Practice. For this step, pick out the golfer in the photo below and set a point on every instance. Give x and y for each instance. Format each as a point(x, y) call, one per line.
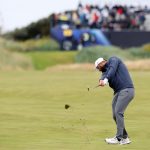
point(116, 74)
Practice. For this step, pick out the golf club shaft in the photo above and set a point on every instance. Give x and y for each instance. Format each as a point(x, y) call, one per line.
point(90, 88)
point(96, 86)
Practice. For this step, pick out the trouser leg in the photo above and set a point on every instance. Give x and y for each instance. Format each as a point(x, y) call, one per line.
point(119, 104)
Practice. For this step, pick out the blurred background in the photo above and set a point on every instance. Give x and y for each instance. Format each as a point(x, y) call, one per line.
point(78, 31)
point(84, 28)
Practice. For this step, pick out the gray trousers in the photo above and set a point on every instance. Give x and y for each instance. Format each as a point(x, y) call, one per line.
point(119, 105)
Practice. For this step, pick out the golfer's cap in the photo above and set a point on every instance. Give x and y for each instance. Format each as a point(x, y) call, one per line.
point(98, 61)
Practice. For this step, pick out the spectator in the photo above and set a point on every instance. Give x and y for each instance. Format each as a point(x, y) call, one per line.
point(105, 18)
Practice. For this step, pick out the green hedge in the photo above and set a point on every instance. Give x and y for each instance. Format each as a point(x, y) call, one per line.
point(44, 44)
point(146, 47)
point(92, 53)
point(139, 53)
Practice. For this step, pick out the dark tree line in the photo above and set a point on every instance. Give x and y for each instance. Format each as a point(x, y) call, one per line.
point(32, 31)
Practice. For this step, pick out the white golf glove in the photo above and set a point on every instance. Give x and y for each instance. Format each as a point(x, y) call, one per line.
point(105, 81)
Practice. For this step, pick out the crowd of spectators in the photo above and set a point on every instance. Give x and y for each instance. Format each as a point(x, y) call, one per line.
point(106, 18)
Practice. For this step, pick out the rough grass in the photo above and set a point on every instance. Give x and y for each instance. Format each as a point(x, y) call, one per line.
point(138, 65)
point(90, 54)
point(32, 114)
point(44, 44)
point(43, 60)
point(44, 54)
point(13, 60)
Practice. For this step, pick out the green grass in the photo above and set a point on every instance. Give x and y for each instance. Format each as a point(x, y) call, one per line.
point(90, 54)
point(45, 53)
point(32, 114)
point(13, 60)
point(44, 44)
point(42, 60)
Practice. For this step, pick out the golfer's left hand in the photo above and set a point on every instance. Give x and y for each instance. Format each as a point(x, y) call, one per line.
point(103, 82)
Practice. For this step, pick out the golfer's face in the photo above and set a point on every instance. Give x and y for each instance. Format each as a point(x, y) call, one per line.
point(101, 66)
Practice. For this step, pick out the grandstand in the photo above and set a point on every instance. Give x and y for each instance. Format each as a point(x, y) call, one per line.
point(147, 22)
point(126, 22)
point(115, 17)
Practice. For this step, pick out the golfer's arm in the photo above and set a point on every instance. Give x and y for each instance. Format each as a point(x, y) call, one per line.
point(102, 77)
point(112, 68)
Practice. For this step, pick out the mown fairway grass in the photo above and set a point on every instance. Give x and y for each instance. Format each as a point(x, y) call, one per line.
point(32, 114)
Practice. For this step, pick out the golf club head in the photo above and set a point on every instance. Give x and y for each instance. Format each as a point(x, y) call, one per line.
point(92, 87)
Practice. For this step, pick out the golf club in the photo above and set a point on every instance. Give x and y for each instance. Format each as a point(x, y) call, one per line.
point(90, 88)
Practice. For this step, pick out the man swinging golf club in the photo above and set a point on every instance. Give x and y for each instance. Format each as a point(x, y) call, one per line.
point(116, 74)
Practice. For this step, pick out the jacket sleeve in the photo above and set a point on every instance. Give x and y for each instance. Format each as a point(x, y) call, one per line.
point(112, 68)
point(103, 76)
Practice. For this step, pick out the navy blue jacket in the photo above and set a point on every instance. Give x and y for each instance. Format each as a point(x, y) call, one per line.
point(117, 74)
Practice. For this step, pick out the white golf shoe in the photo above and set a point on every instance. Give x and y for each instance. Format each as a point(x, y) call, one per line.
point(124, 141)
point(113, 140)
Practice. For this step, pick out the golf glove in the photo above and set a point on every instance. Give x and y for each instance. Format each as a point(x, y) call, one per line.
point(105, 81)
